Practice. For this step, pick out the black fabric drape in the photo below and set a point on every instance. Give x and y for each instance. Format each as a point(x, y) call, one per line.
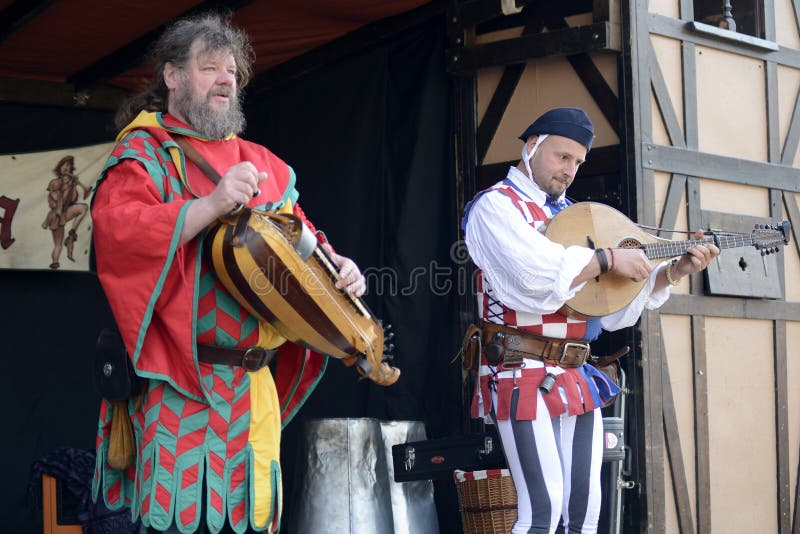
point(369, 140)
point(48, 326)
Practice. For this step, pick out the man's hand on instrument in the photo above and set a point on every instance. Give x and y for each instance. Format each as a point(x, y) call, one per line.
point(350, 277)
point(237, 187)
point(697, 258)
point(630, 263)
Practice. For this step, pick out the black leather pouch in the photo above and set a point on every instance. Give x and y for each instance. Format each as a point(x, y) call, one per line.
point(114, 376)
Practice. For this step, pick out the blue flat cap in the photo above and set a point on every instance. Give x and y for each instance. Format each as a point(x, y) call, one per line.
point(573, 123)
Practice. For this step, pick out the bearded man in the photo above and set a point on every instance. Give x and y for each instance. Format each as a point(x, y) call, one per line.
point(206, 425)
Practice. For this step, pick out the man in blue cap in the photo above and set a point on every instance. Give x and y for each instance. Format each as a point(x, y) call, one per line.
point(543, 395)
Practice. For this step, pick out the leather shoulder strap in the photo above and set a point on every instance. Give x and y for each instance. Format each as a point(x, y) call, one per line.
point(192, 153)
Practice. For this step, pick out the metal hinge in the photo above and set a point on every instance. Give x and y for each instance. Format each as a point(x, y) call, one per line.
point(488, 446)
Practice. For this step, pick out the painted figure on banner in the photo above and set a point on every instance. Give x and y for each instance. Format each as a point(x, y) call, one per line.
point(63, 198)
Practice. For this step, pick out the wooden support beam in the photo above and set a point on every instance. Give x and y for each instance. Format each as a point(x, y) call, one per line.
point(653, 425)
point(590, 75)
point(782, 428)
point(769, 19)
point(675, 194)
point(776, 214)
point(790, 201)
point(725, 168)
point(565, 42)
point(664, 102)
point(687, 9)
point(732, 307)
point(701, 430)
point(638, 129)
point(500, 100)
point(690, 113)
point(694, 217)
point(733, 37)
point(773, 117)
point(789, 151)
point(672, 439)
point(497, 107)
point(598, 88)
point(796, 10)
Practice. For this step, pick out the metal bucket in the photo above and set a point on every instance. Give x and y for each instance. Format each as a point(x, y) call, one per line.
point(346, 481)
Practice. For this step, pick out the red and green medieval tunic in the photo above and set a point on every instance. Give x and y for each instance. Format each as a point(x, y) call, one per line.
point(205, 433)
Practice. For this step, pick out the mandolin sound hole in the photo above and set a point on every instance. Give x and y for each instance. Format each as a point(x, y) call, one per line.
point(629, 243)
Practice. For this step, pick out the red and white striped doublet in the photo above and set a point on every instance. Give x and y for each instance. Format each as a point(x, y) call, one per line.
point(490, 309)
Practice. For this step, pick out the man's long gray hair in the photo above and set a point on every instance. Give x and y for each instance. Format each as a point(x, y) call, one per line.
point(173, 46)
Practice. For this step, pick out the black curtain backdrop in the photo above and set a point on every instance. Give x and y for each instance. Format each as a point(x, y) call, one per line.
point(48, 326)
point(370, 140)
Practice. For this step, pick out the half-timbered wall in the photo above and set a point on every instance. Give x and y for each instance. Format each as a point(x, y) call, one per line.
point(697, 128)
point(715, 137)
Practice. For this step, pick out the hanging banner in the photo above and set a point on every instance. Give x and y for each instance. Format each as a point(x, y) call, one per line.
point(44, 207)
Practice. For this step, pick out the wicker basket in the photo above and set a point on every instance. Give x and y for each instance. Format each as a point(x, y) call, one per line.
point(487, 500)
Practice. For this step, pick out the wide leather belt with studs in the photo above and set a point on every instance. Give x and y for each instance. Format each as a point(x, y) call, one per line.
point(509, 345)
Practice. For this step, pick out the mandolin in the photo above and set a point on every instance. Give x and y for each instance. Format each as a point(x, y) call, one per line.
point(599, 226)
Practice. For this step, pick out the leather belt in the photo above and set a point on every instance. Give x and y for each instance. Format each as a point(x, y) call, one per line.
point(252, 359)
point(510, 345)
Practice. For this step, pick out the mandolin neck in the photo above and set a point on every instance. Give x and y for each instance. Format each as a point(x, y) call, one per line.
point(671, 249)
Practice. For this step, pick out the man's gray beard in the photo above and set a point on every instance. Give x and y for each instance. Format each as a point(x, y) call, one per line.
point(213, 124)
